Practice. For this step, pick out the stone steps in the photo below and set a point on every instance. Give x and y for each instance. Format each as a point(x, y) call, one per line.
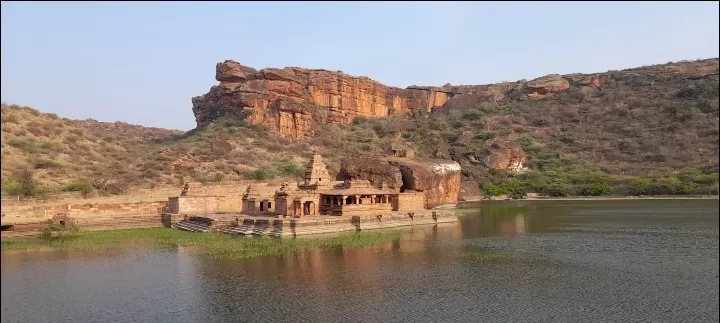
point(264, 228)
point(192, 226)
point(111, 226)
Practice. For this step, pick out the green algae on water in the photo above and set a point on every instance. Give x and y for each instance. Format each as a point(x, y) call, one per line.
point(217, 245)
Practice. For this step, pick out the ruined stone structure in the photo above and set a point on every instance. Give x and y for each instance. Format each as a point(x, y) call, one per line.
point(402, 149)
point(315, 205)
point(318, 194)
point(399, 194)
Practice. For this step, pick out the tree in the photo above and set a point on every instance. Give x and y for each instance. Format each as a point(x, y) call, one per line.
point(27, 183)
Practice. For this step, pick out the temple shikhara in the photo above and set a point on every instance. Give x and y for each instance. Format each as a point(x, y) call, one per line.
point(318, 204)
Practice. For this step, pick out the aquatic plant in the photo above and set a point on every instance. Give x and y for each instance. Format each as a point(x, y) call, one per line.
point(216, 245)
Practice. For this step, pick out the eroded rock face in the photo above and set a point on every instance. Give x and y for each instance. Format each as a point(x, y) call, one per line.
point(292, 100)
point(540, 87)
point(438, 179)
point(469, 191)
point(374, 170)
point(289, 100)
point(232, 72)
point(505, 155)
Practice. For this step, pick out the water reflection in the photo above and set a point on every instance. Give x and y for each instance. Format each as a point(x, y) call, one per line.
point(561, 261)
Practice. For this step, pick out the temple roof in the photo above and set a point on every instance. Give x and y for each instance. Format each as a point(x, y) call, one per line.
point(357, 191)
point(356, 187)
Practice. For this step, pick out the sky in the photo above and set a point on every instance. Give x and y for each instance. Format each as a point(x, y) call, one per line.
point(142, 62)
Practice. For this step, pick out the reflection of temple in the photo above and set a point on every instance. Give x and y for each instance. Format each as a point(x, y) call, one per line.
point(319, 195)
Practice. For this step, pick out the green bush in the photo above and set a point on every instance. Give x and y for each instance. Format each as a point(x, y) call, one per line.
point(219, 177)
point(26, 145)
point(597, 190)
point(261, 174)
point(490, 189)
point(43, 163)
point(515, 190)
point(473, 115)
point(11, 187)
point(84, 186)
point(557, 190)
point(77, 131)
point(61, 230)
point(484, 135)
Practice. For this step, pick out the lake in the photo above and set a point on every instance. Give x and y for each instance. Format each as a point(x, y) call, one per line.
point(505, 261)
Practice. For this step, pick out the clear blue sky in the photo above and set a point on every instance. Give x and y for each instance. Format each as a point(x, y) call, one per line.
point(142, 62)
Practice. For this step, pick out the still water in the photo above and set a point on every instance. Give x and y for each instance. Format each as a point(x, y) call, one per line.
point(505, 261)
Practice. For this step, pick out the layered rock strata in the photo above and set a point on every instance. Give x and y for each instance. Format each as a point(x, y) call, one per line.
point(438, 179)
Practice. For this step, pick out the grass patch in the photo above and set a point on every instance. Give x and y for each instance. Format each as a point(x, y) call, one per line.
point(221, 246)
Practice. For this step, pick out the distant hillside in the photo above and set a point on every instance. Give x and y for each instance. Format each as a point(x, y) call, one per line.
point(569, 131)
point(60, 151)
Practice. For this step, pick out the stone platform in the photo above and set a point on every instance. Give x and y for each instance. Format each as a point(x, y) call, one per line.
point(17, 227)
point(308, 225)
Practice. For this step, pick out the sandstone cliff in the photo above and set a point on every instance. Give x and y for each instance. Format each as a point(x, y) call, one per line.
point(469, 191)
point(290, 100)
point(438, 179)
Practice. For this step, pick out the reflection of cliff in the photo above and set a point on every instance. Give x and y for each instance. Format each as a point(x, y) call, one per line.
point(506, 218)
point(512, 224)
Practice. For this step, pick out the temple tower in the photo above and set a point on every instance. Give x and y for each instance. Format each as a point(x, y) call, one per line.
point(316, 171)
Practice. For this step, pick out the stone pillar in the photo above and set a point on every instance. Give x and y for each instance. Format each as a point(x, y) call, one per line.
point(372, 199)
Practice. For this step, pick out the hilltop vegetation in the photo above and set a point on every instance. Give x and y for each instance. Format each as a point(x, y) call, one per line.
point(646, 131)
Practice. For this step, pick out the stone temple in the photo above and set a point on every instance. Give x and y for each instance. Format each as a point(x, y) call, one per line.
point(318, 194)
point(318, 204)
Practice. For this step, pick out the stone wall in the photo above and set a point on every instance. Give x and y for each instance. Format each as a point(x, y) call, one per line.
point(362, 209)
point(413, 201)
point(204, 204)
point(92, 209)
point(234, 188)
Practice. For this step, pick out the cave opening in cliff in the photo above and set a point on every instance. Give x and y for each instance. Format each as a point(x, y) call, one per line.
point(407, 180)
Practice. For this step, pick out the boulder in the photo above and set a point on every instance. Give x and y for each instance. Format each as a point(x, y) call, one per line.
point(377, 171)
point(541, 86)
point(505, 155)
point(438, 179)
point(469, 191)
point(232, 71)
point(501, 155)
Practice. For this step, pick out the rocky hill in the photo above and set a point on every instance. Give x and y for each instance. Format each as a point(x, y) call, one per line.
point(608, 127)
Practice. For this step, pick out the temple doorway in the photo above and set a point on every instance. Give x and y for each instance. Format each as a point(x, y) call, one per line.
point(309, 208)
